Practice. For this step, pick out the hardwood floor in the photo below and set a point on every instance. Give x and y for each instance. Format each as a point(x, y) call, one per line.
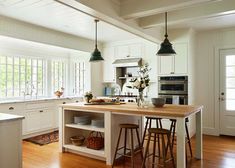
point(219, 152)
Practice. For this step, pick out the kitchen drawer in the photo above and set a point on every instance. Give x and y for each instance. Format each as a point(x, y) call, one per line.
point(39, 105)
point(12, 108)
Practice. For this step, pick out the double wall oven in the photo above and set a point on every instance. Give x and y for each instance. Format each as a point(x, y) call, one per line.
point(174, 89)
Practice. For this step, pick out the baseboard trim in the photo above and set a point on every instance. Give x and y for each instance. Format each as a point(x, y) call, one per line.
point(38, 133)
point(210, 131)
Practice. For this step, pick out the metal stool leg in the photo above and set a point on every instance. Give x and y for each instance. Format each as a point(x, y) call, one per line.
point(119, 137)
point(132, 149)
point(171, 149)
point(146, 151)
point(145, 130)
point(188, 139)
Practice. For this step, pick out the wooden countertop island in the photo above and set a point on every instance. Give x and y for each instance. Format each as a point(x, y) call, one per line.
point(178, 112)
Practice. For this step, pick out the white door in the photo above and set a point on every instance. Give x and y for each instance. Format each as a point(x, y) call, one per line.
point(166, 65)
point(227, 92)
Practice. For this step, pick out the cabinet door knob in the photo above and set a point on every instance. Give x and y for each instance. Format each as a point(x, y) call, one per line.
point(41, 111)
point(76, 101)
point(172, 72)
point(11, 108)
point(64, 102)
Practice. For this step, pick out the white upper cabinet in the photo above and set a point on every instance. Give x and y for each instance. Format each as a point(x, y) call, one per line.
point(166, 65)
point(181, 58)
point(177, 64)
point(135, 50)
point(122, 51)
point(109, 73)
point(128, 50)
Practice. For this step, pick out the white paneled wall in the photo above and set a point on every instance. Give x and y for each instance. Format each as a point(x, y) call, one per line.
point(207, 48)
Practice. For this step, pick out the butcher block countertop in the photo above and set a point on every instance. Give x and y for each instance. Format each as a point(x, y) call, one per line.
point(132, 108)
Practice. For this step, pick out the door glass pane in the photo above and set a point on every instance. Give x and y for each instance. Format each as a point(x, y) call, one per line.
point(230, 60)
point(230, 71)
point(230, 82)
point(230, 94)
point(230, 105)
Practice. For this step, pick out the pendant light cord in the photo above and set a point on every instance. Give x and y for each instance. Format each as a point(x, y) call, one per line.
point(96, 20)
point(166, 35)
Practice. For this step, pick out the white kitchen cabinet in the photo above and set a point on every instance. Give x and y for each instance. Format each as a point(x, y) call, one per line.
point(166, 65)
point(176, 64)
point(122, 51)
point(135, 50)
point(129, 50)
point(181, 58)
point(39, 120)
point(109, 71)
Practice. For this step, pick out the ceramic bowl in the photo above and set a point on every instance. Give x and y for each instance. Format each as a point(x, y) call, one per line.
point(158, 102)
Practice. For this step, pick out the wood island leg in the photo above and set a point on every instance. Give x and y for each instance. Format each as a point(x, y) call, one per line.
point(199, 145)
point(180, 132)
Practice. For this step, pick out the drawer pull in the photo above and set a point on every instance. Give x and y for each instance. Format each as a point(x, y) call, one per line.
point(77, 101)
point(64, 102)
point(11, 108)
point(41, 111)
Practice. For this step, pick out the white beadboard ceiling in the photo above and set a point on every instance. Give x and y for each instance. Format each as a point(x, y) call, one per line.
point(53, 15)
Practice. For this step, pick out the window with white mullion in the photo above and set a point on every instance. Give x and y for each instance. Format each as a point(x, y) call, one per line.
point(58, 75)
point(79, 77)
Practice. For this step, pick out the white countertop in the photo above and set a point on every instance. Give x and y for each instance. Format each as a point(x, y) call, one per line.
point(7, 117)
point(33, 99)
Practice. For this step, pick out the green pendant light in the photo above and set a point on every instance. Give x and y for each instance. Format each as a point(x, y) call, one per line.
point(166, 47)
point(96, 55)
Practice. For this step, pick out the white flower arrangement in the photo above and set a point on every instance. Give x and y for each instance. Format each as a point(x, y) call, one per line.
point(142, 81)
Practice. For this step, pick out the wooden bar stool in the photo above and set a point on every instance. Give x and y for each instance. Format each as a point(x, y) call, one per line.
point(162, 133)
point(132, 151)
point(172, 129)
point(148, 125)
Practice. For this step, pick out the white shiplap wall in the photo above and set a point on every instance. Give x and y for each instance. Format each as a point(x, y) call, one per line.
point(208, 43)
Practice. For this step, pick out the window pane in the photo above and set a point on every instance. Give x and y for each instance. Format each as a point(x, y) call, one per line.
point(230, 60)
point(20, 75)
point(230, 71)
point(230, 104)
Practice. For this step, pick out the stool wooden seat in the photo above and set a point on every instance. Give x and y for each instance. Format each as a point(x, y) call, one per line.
point(172, 129)
point(132, 150)
point(148, 125)
point(162, 133)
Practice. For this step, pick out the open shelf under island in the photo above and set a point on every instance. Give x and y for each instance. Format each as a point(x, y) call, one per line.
point(114, 115)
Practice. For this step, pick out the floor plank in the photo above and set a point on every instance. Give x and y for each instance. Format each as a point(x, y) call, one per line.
point(219, 152)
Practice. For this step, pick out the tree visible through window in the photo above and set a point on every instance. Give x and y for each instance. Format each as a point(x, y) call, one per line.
point(21, 76)
point(58, 75)
point(79, 78)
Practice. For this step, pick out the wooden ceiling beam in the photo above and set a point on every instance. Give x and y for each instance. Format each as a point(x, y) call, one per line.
point(215, 9)
point(132, 9)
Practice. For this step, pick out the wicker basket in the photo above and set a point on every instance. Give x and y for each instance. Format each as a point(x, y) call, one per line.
point(95, 141)
point(77, 140)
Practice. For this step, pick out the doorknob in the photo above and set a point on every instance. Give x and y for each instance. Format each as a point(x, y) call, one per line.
point(221, 99)
point(222, 93)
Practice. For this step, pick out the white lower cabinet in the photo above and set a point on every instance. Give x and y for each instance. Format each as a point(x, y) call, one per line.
point(39, 120)
point(40, 116)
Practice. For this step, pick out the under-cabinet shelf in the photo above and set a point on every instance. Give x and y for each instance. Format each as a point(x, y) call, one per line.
point(84, 149)
point(85, 127)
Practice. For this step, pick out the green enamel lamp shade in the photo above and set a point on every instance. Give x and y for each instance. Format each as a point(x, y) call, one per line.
point(166, 47)
point(96, 55)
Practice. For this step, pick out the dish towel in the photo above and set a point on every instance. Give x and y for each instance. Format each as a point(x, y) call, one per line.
point(175, 99)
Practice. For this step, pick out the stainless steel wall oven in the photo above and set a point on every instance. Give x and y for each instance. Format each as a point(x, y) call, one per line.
point(174, 89)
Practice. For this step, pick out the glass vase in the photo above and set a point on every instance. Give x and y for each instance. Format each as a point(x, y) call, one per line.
point(140, 99)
